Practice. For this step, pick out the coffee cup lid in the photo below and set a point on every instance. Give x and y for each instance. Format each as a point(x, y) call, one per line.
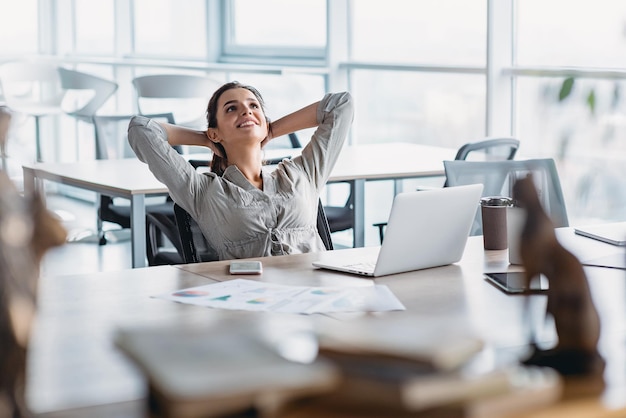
point(496, 201)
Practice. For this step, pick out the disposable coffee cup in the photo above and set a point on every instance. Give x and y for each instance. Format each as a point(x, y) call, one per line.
point(493, 212)
point(515, 220)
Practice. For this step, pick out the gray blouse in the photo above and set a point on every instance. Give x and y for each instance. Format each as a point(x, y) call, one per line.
point(238, 219)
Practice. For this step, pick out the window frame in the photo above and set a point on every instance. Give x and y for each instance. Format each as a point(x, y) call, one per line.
point(234, 52)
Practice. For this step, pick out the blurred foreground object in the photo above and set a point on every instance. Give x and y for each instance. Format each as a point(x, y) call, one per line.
point(27, 231)
point(5, 122)
point(231, 367)
point(569, 298)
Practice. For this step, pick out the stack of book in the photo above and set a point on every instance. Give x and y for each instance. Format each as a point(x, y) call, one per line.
point(420, 365)
point(197, 372)
point(395, 367)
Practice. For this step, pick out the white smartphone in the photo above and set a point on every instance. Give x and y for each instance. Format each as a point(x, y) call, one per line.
point(246, 267)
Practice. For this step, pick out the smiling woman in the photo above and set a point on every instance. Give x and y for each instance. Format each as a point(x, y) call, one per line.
point(243, 209)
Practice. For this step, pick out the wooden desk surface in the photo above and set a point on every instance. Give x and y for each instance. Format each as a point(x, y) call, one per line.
point(72, 362)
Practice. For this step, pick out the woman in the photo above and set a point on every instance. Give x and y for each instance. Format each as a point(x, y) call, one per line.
point(243, 209)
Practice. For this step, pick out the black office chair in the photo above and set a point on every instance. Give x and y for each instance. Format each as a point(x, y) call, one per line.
point(341, 218)
point(503, 148)
point(163, 246)
point(196, 249)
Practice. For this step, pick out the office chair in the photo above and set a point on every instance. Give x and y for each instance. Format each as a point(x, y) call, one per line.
point(487, 149)
point(32, 88)
point(341, 218)
point(498, 178)
point(196, 249)
point(161, 230)
point(163, 244)
point(85, 94)
point(187, 94)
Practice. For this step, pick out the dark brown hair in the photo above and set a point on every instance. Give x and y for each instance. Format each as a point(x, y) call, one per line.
point(219, 164)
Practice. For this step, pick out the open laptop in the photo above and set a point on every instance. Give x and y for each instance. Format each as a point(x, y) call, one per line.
point(425, 229)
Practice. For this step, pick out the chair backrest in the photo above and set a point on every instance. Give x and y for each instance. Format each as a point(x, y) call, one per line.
point(186, 95)
point(323, 229)
point(498, 178)
point(84, 93)
point(489, 149)
point(196, 249)
point(31, 86)
point(492, 148)
point(157, 226)
point(112, 134)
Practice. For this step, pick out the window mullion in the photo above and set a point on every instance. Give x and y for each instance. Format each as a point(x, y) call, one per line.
point(500, 86)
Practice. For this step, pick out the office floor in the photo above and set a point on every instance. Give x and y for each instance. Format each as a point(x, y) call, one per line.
point(85, 256)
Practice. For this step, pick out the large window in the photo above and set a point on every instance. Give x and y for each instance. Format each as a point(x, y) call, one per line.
point(275, 29)
point(425, 108)
point(588, 141)
point(450, 32)
point(571, 33)
point(570, 99)
point(19, 27)
point(170, 28)
point(95, 27)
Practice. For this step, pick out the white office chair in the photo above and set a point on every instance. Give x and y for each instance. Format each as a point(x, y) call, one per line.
point(85, 94)
point(185, 95)
point(32, 88)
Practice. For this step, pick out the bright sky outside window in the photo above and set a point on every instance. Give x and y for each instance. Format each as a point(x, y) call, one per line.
point(280, 23)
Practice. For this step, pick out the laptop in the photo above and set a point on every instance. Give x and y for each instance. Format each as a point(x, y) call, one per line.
point(426, 229)
point(611, 233)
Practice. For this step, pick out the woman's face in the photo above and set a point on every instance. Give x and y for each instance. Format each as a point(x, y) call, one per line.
point(240, 119)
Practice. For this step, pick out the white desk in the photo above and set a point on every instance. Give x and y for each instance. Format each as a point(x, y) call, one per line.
point(131, 179)
point(72, 362)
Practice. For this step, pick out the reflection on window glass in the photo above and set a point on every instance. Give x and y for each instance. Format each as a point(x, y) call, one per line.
point(434, 109)
point(279, 23)
point(170, 27)
point(18, 21)
point(586, 137)
point(576, 33)
point(427, 32)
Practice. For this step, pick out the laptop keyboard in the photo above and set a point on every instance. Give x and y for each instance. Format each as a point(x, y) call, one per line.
point(366, 266)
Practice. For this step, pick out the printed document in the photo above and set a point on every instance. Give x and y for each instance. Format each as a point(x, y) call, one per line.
point(251, 295)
